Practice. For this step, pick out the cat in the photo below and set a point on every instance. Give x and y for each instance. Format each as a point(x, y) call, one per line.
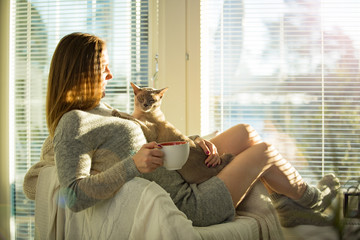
point(148, 115)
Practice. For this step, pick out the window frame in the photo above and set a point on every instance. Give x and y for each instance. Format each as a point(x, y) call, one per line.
point(179, 63)
point(5, 204)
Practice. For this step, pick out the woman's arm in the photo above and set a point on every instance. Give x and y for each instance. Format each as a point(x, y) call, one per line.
point(80, 143)
point(80, 189)
point(79, 137)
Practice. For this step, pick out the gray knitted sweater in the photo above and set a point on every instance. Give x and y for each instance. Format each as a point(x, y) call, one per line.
point(94, 142)
point(89, 142)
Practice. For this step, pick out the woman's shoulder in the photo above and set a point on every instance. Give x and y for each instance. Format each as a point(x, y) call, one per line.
point(73, 116)
point(71, 122)
point(78, 115)
point(79, 121)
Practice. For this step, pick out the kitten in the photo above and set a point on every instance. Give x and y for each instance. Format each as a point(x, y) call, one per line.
point(152, 120)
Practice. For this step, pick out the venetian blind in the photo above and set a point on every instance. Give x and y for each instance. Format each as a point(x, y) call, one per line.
point(290, 68)
point(37, 26)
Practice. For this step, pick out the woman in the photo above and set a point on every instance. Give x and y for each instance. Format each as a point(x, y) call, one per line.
point(97, 153)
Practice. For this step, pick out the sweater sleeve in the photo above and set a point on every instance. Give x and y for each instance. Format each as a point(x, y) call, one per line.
point(73, 157)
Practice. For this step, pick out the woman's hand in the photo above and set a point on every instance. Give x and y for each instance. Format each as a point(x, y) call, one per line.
point(149, 157)
point(210, 149)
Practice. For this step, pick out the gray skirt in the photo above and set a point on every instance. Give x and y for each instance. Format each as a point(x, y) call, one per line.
point(204, 204)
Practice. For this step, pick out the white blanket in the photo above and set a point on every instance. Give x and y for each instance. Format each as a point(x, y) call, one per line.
point(257, 205)
point(157, 217)
point(140, 210)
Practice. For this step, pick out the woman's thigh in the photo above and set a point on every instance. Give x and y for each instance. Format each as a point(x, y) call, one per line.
point(241, 173)
point(236, 139)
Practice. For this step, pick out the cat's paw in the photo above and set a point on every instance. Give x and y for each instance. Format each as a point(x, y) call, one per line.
point(116, 113)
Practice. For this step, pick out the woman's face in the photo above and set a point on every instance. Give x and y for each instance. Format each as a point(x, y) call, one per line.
point(106, 74)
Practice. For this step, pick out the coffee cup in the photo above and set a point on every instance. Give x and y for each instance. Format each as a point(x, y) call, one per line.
point(175, 154)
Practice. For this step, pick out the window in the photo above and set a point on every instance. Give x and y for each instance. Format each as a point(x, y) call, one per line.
point(37, 26)
point(290, 68)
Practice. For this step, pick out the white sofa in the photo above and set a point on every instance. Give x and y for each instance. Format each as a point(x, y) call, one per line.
point(143, 210)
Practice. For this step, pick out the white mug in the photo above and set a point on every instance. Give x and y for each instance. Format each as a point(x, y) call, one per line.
point(175, 154)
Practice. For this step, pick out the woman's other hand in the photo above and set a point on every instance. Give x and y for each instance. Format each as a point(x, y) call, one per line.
point(149, 157)
point(210, 149)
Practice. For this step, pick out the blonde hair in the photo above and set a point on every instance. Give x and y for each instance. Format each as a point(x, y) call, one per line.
point(74, 80)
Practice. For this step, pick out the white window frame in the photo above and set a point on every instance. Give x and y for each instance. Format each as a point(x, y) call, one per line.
point(5, 181)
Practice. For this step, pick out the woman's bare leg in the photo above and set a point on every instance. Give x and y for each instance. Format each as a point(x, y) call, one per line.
point(261, 160)
point(254, 160)
point(236, 139)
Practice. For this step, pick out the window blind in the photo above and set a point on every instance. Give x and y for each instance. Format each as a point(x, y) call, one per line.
point(290, 68)
point(37, 26)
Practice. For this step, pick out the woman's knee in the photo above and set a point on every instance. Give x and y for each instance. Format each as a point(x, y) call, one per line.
point(263, 153)
point(244, 127)
point(270, 153)
point(247, 130)
point(236, 139)
point(263, 146)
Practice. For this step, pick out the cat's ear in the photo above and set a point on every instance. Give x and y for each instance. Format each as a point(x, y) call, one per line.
point(162, 91)
point(136, 88)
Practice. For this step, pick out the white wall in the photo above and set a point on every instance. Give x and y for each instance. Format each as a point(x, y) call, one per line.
point(4, 120)
point(179, 63)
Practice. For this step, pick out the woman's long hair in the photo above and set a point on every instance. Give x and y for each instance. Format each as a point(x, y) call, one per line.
point(75, 77)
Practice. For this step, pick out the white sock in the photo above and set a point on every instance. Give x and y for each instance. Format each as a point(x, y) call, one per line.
point(329, 186)
point(292, 214)
point(320, 197)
